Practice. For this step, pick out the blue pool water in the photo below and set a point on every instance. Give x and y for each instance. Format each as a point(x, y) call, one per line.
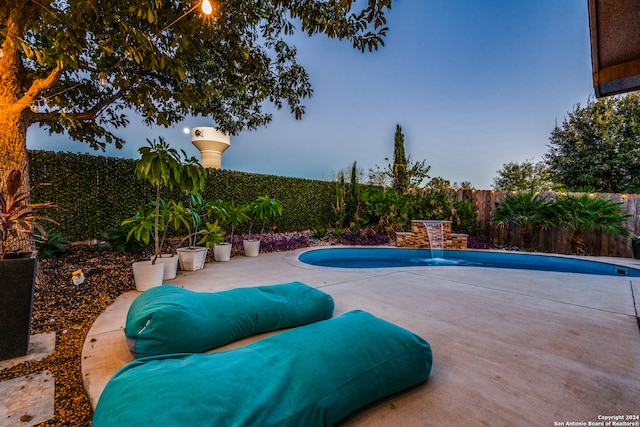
point(405, 257)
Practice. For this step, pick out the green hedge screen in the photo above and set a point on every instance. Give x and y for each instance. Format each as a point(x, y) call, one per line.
point(93, 193)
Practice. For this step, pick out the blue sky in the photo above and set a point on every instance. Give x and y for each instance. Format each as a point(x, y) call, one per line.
point(474, 85)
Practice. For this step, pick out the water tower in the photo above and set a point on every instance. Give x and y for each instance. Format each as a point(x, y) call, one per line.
point(211, 142)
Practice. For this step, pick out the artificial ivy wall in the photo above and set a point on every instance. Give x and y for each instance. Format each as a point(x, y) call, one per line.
point(93, 193)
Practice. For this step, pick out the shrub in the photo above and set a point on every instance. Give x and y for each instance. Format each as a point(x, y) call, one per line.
point(529, 210)
point(320, 232)
point(284, 242)
point(115, 238)
point(465, 217)
point(363, 237)
point(55, 244)
point(479, 242)
point(585, 212)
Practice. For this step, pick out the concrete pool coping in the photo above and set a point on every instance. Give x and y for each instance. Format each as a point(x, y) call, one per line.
point(511, 347)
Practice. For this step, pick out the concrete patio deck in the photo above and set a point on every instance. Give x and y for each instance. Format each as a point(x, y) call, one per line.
point(511, 347)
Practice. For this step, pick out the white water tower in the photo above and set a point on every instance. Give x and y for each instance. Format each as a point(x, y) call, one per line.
point(211, 142)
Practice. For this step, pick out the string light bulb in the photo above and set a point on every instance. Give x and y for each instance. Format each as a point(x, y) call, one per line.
point(103, 79)
point(207, 8)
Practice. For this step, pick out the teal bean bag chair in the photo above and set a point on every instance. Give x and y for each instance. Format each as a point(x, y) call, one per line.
point(313, 375)
point(168, 319)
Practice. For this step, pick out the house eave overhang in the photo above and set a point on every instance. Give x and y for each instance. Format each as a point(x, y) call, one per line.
point(614, 27)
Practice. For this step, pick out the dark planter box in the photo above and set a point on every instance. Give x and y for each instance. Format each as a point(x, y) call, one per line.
point(636, 249)
point(17, 283)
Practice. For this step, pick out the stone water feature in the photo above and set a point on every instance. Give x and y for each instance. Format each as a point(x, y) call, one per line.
point(441, 233)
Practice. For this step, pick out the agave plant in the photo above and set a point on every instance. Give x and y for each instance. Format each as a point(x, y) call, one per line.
point(18, 221)
point(528, 210)
point(585, 212)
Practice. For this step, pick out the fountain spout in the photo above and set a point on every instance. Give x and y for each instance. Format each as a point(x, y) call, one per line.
point(435, 231)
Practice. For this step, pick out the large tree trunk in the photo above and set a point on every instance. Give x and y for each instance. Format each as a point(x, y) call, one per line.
point(13, 155)
point(13, 146)
point(18, 89)
point(15, 114)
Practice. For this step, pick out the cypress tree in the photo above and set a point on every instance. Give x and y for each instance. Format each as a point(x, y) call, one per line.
point(400, 176)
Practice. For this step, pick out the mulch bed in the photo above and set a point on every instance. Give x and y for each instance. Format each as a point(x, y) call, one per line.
point(69, 310)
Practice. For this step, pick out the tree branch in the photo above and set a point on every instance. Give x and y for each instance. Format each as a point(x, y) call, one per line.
point(39, 85)
point(91, 114)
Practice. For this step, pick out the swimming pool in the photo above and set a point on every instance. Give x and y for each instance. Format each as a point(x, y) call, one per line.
point(404, 257)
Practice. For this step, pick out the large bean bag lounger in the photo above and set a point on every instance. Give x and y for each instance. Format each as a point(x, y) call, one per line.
point(168, 319)
point(313, 375)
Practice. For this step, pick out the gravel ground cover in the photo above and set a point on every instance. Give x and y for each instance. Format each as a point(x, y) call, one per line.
point(69, 310)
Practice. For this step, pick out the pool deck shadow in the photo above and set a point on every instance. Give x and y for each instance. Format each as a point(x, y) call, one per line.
point(511, 347)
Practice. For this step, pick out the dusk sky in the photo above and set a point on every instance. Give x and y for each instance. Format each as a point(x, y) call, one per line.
point(474, 85)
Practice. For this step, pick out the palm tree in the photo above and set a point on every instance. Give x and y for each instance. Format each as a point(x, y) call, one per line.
point(583, 212)
point(528, 210)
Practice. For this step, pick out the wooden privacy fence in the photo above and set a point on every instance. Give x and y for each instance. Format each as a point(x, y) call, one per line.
point(557, 239)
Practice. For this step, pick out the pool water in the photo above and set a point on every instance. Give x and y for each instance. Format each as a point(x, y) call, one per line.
point(404, 257)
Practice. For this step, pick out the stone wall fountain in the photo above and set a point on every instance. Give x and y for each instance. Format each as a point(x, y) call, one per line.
point(431, 234)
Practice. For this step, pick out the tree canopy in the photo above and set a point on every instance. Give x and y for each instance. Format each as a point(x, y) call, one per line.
point(525, 176)
point(598, 146)
point(79, 66)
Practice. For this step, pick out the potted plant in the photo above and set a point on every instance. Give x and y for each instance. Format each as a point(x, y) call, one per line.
point(18, 224)
point(221, 249)
point(175, 215)
point(263, 208)
point(251, 243)
point(212, 236)
point(142, 229)
point(159, 165)
point(233, 215)
point(193, 257)
point(192, 179)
